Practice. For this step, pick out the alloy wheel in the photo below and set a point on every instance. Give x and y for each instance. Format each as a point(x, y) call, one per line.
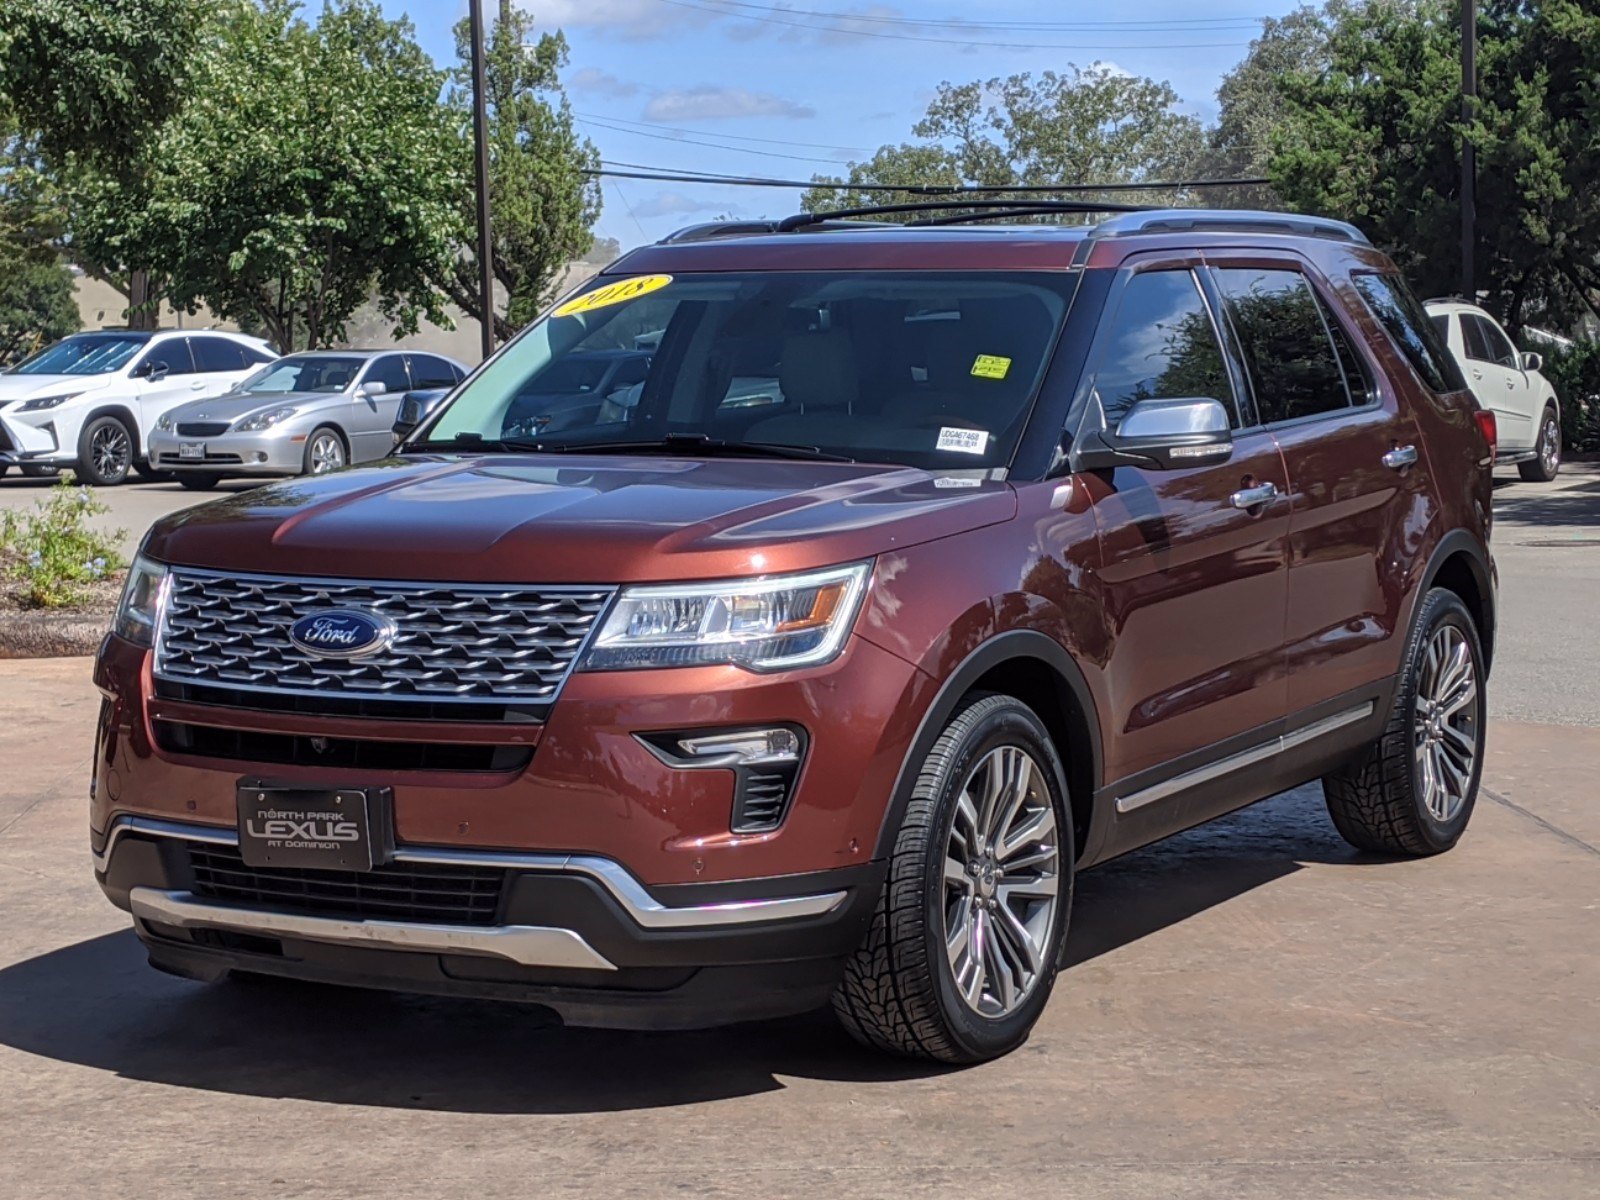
point(1550, 446)
point(1001, 882)
point(327, 454)
point(1445, 726)
point(111, 451)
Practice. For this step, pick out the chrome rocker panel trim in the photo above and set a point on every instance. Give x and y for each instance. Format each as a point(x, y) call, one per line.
point(525, 945)
point(645, 910)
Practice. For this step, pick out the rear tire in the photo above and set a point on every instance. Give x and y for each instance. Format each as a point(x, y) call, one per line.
point(189, 481)
point(967, 937)
point(105, 452)
point(149, 473)
point(1412, 792)
point(1546, 463)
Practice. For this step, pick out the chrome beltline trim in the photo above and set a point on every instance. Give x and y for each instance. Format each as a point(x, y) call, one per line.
point(1245, 758)
point(526, 945)
point(627, 891)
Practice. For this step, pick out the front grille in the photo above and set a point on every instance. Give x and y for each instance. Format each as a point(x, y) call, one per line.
point(179, 460)
point(338, 706)
point(203, 428)
point(305, 750)
point(420, 892)
point(502, 644)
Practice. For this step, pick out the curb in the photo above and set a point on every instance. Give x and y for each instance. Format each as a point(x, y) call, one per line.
point(52, 634)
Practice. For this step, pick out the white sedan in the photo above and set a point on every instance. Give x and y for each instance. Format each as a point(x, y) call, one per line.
point(1508, 383)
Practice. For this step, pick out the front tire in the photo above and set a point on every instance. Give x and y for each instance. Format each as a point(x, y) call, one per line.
point(1412, 791)
point(1546, 463)
point(964, 946)
point(325, 451)
point(203, 482)
point(105, 452)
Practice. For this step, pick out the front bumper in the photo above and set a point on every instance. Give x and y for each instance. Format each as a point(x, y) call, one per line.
point(575, 933)
point(270, 452)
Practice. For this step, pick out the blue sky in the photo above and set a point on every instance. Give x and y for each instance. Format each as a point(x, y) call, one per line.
point(784, 88)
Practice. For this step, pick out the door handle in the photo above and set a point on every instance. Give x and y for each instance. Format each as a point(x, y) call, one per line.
point(1400, 457)
point(1255, 497)
point(197, 385)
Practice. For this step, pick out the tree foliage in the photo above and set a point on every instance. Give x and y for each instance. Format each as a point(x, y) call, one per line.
point(1088, 125)
point(543, 204)
point(1374, 137)
point(310, 169)
point(37, 306)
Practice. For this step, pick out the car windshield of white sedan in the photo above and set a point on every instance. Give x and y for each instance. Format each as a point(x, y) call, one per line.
point(304, 373)
point(83, 354)
point(925, 368)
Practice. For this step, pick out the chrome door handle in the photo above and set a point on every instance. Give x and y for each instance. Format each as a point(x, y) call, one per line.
point(1477, 374)
point(1255, 497)
point(1400, 457)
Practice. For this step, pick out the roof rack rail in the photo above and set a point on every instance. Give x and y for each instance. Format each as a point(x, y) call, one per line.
point(715, 229)
point(988, 210)
point(1450, 300)
point(1190, 220)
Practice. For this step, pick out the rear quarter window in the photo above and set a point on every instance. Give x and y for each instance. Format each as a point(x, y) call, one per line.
point(1408, 326)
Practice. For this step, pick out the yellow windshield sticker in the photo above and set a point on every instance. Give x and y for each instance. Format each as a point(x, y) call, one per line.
point(613, 293)
point(991, 366)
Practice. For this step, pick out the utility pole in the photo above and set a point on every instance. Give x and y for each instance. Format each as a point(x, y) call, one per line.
point(1469, 153)
point(480, 141)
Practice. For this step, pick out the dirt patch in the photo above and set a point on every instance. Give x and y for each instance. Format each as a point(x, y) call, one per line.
point(27, 632)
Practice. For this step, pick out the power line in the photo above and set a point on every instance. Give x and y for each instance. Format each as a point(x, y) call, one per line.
point(911, 37)
point(663, 137)
point(738, 137)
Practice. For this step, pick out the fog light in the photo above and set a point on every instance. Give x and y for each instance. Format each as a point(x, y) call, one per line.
point(261, 456)
point(765, 764)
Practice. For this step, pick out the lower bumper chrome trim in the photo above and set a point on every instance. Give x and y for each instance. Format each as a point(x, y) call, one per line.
point(526, 945)
point(644, 909)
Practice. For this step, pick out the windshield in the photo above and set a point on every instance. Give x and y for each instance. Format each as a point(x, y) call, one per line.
point(83, 354)
point(304, 373)
point(929, 369)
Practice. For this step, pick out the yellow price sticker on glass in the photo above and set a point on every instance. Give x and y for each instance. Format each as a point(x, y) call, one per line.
point(613, 293)
point(991, 366)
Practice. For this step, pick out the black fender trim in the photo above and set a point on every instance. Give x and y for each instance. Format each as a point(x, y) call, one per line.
point(1002, 648)
point(1461, 541)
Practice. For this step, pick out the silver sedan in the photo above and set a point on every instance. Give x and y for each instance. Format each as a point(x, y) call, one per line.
point(305, 414)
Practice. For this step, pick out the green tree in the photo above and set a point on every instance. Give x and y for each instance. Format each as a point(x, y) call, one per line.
point(1083, 125)
point(1374, 137)
point(37, 306)
point(310, 169)
point(543, 204)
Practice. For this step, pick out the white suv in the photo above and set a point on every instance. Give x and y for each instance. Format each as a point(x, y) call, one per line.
point(1507, 382)
point(90, 401)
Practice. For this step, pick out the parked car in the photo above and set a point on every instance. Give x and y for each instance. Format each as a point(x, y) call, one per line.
point(1509, 384)
point(694, 712)
point(90, 401)
point(305, 414)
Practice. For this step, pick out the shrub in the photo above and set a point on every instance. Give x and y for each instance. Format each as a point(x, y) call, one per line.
point(53, 551)
point(1575, 373)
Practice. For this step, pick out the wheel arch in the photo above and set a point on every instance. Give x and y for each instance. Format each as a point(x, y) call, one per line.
point(1459, 564)
point(1038, 670)
point(124, 414)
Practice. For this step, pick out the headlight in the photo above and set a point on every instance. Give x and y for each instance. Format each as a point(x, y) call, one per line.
point(139, 610)
point(266, 420)
point(760, 624)
point(39, 402)
point(164, 423)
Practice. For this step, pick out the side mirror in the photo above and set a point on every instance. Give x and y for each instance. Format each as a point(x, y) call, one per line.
point(372, 387)
point(153, 372)
point(1532, 361)
point(1162, 435)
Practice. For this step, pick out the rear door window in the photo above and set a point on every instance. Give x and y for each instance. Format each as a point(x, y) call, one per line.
point(213, 355)
point(430, 371)
point(390, 370)
point(1161, 344)
point(1492, 343)
point(1289, 351)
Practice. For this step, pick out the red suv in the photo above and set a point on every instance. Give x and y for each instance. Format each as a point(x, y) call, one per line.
point(905, 572)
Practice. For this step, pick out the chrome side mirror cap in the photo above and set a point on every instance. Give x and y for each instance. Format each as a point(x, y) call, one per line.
point(1162, 435)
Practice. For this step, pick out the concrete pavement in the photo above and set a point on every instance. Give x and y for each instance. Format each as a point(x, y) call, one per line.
point(1253, 1011)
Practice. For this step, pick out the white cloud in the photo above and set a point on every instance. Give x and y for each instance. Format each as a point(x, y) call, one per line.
point(601, 83)
point(631, 19)
point(666, 204)
point(708, 101)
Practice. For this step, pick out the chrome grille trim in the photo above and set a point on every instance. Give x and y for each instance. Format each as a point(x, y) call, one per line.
point(497, 643)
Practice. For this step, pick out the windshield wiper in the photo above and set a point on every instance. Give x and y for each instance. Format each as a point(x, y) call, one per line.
point(698, 443)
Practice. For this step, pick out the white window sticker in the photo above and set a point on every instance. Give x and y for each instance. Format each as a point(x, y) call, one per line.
point(963, 441)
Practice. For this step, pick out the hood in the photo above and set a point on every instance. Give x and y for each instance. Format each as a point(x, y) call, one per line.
point(230, 406)
point(572, 519)
point(26, 387)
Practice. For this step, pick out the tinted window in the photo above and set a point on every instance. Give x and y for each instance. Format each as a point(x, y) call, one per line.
point(258, 356)
point(390, 370)
point(1441, 326)
point(1407, 324)
point(217, 354)
point(174, 353)
point(430, 372)
point(1293, 365)
point(1490, 343)
point(1162, 345)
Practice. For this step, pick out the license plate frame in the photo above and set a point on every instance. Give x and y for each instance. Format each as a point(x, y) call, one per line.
point(192, 451)
point(332, 829)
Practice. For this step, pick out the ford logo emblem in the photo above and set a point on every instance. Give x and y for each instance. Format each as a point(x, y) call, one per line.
point(342, 633)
